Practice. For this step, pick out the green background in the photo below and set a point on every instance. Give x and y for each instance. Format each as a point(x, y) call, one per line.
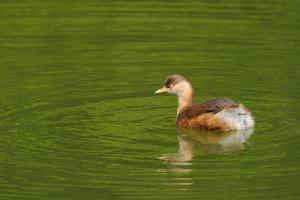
point(78, 114)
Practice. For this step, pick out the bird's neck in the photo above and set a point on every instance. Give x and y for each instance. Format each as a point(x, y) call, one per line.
point(185, 98)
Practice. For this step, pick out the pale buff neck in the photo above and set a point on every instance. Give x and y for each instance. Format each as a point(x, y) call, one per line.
point(185, 98)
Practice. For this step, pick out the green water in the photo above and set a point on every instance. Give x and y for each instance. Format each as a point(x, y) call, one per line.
point(79, 118)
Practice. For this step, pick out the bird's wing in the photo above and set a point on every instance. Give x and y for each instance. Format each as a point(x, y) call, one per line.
point(213, 106)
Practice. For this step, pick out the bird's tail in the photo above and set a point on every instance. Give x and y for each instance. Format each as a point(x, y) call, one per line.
point(238, 117)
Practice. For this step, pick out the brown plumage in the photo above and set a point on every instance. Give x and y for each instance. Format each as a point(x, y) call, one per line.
point(202, 116)
point(205, 121)
point(213, 106)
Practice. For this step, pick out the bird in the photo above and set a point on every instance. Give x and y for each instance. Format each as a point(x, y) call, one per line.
point(221, 114)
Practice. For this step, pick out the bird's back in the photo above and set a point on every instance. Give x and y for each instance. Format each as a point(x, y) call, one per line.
point(215, 114)
point(210, 106)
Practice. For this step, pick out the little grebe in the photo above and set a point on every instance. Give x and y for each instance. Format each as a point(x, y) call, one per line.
point(216, 114)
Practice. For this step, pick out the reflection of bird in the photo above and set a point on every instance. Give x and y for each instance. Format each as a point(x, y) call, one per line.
point(209, 142)
point(216, 142)
point(217, 114)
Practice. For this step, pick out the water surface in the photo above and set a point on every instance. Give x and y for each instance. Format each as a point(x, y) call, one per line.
point(79, 118)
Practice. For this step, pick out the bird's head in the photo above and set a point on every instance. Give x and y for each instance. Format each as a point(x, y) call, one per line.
point(175, 84)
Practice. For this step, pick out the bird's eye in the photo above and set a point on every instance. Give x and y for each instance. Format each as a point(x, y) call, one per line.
point(171, 85)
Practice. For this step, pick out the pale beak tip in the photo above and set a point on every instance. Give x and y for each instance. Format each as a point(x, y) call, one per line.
point(161, 90)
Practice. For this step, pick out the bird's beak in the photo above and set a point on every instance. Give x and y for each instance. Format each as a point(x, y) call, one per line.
point(161, 90)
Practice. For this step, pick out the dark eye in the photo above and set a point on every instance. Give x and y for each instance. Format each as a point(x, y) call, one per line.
point(169, 83)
